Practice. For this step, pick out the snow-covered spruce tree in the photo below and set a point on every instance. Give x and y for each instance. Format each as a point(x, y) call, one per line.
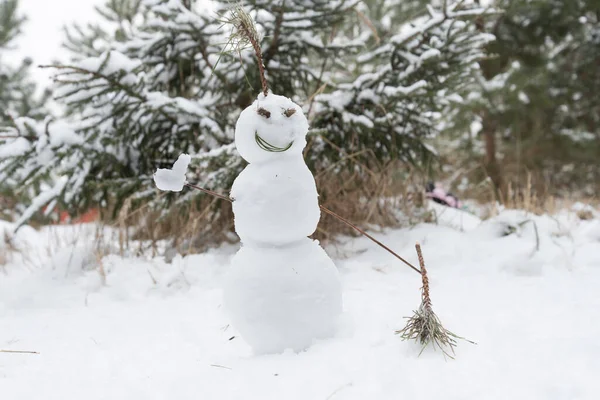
point(17, 90)
point(399, 92)
point(534, 99)
point(160, 83)
point(17, 97)
point(142, 92)
point(14, 89)
point(157, 84)
point(301, 44)
point(404, 83)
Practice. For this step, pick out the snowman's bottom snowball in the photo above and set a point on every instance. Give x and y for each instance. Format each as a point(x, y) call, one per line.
point(283, 297)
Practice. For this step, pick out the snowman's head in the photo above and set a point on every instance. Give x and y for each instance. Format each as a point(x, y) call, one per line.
point(271, 128)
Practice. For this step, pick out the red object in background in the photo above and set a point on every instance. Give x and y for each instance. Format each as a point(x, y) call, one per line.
point(89, 216)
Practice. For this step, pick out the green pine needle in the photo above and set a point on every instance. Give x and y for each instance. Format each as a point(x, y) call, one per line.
point(243, 28)
point(426, 328)
point(266, 146)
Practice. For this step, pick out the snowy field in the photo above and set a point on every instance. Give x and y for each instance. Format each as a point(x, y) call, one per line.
point(157, 331)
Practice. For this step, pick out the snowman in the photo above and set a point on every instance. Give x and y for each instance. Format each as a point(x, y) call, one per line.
point(282, 290)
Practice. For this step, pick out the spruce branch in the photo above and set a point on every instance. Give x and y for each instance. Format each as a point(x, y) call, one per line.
point(13, 132)
point(112, 82)
point(424, 325)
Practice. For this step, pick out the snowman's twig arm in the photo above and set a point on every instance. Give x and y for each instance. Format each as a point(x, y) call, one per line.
point(350, 224)
point(220, 196)
point(327, 211)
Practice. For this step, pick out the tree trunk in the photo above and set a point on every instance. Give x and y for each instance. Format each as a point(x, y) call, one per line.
point(492, 167)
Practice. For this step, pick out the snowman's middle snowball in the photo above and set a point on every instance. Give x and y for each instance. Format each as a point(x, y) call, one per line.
point(275, 203)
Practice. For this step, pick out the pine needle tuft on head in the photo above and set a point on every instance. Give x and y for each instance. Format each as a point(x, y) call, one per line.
point(243, 35)
point(424, 326)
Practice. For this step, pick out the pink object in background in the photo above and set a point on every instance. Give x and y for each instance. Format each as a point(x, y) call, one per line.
point(439, 195)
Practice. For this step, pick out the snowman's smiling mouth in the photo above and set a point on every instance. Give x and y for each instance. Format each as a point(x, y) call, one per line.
point(266, 146)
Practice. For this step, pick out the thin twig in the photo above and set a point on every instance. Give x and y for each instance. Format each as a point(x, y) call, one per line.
point(15, 137)
point(424, 278)
point(350, 224)
point(220, 196)
point(369, 24)
point(19, 351)
point(317, 92)
point(246, 33)
point(220, 366)
point(10, 116)
point(259, 60)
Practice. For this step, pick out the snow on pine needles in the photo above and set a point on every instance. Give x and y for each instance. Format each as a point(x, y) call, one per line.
point(157, 330)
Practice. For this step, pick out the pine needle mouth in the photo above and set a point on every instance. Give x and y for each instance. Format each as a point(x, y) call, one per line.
point(266, 146)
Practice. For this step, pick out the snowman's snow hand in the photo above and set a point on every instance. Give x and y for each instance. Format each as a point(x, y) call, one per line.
point(173, 179)
point(266, 146)
point(425, 326)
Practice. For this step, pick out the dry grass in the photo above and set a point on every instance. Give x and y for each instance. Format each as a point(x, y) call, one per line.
point(186, 229)
point(390, 195)
point(538, 199)
point(536, 190)
point(535, 199)
point(369, 196)
point(7, 249)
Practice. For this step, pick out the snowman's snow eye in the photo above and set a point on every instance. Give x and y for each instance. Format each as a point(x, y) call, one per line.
point(265, 113)
point(289, 112)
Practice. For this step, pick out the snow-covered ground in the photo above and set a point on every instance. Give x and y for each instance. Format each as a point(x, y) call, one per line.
point(157, 331)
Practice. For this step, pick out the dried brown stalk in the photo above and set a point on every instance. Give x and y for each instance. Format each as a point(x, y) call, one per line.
point(351, 225)
point(424, 278)
point(19, 351)
point(220, 196)
point(369, 24)
point(246, 33)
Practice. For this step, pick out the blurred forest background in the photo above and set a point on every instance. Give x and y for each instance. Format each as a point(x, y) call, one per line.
point(496, 100)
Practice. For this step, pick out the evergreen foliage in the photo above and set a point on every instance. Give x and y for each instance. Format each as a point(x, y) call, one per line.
point(16, 89)
point(162, 81)
point(17, 98)
point(405, 82)
point(536, 94)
